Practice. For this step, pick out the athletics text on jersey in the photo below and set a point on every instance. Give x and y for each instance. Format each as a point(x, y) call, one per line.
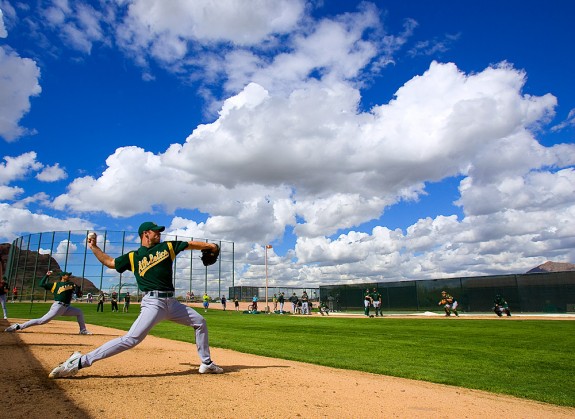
point(63, 290)
point(152, 266)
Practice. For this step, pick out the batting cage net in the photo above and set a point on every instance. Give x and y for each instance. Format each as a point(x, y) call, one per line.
point(30, 257)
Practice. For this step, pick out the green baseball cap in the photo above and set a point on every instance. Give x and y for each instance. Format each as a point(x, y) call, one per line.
point(149, 225)
point(66, 273)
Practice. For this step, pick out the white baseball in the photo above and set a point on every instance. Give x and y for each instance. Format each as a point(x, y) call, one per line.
point(92, 235)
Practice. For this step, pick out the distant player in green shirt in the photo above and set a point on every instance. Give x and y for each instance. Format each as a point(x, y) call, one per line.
point(63, 291)
point(367, 300)
point(376, 298)
point(500, 306)
point(449, 303)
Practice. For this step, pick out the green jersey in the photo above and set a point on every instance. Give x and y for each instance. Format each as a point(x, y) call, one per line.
point(152, 266)
point(500, 301)
point(63, 290)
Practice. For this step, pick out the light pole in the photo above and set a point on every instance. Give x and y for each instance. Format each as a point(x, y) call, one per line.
point(268, 246)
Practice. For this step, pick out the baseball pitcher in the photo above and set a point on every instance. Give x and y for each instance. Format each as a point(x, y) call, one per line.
point(152, 265)
point(63, 291)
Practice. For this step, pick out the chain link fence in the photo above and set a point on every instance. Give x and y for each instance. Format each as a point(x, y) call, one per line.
point(31, 256)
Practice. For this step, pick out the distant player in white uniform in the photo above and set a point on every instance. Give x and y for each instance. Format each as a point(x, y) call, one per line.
point(152, 266)
point(3, 294)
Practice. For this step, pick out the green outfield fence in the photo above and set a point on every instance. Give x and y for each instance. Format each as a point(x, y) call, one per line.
point(552, 292)
point(30, 256)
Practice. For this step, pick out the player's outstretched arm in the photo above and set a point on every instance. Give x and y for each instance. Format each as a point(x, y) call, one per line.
point(104, 258)
point(196, 245)
point(45, 279)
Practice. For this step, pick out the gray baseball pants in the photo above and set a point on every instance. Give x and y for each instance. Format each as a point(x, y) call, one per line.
point(57, 309)
point(153, 311)
point(3, 302)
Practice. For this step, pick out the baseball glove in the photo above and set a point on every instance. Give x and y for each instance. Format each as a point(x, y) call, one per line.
point(209, 257)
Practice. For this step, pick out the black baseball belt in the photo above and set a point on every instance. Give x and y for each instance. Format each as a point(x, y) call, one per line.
point(160, 294)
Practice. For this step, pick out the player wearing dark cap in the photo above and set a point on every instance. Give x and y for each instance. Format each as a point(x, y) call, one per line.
point(152, 265)
point(63, 291)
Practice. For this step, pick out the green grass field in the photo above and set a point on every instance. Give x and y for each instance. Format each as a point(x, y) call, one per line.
point(530, 358)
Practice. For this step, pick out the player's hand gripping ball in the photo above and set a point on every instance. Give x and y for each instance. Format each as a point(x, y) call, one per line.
point(92, 237)
point(209, 256)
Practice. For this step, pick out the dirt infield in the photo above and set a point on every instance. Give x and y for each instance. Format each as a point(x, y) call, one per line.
point(159, 378)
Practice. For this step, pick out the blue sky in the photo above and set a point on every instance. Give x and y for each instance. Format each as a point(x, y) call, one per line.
point(366, 141)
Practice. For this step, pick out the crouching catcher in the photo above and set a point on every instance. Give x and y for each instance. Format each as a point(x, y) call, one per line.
point(500, 306)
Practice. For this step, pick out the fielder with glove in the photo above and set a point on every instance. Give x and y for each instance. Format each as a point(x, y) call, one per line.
point(449, 304)
point(500, 306)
